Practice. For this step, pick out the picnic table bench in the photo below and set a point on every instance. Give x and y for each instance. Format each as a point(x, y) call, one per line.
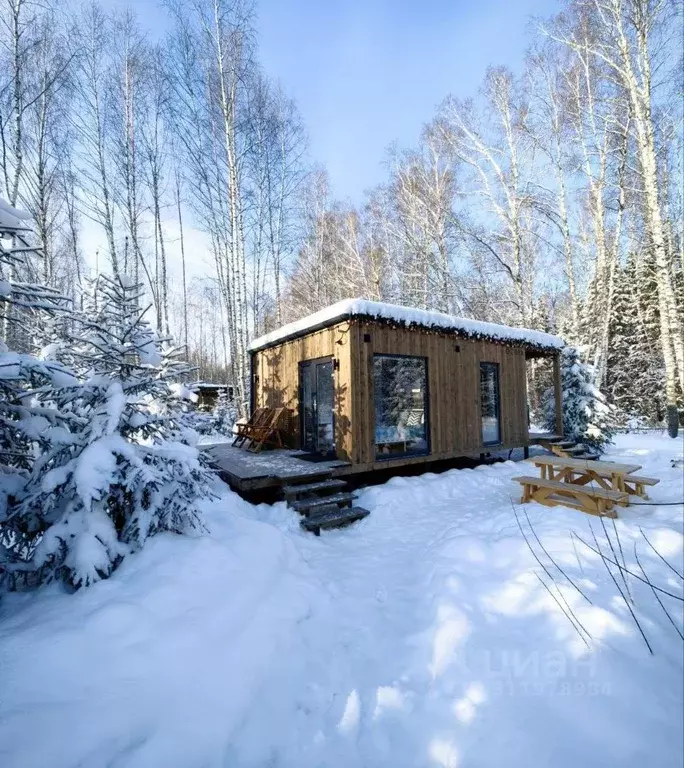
point(592, 486)
point(550, 493)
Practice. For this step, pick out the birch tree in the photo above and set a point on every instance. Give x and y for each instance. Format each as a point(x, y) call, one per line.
point(47, 139)
point(551, 130)
point(213, 48)
point(91, 120)
point(632, 38)
point(155, 147)
point(493, 145)
point(130, 67)
point(423, 188)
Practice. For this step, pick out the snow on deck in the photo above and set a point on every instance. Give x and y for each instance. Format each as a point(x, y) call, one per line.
point(409, 317)
point(420, 637)
point(279, 463)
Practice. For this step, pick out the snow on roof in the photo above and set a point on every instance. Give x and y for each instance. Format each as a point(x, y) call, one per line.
point(409, 317)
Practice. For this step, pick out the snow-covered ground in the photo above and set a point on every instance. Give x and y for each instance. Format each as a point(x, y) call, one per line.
point(421, 636)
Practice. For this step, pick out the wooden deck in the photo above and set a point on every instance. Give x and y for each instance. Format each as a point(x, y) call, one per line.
point(245, 471)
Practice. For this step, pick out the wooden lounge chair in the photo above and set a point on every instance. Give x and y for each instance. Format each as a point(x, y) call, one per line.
point(257, 419)
point(269, 431)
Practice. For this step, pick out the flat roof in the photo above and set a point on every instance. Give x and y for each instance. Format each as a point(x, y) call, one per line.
point(409, 318)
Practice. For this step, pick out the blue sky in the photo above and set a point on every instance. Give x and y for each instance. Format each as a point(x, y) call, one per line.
point(366, 73)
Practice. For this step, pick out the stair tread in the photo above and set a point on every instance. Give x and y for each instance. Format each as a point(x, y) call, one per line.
point(321, 485)
point(334, 516)
point(563, 443)
point(304, 504)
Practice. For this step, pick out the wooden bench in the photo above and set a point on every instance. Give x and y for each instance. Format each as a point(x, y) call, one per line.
point(551, 493)
point(634, 484)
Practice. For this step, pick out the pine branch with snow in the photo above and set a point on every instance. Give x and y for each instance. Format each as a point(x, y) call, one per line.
point(18, 293)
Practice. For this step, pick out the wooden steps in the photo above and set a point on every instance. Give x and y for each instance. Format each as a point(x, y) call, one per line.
point(320, 486)
point(569, 449)
point(304, 506)
point(324, 503)
point(332, 517)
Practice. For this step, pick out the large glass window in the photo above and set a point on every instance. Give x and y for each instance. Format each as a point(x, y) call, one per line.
point(489, 403)
point(401, 423)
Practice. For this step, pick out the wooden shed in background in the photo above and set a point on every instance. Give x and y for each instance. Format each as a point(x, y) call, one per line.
point(208, 394)
point(384, 386)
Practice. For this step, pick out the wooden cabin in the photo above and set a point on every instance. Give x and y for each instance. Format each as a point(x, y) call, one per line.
point(383, 386)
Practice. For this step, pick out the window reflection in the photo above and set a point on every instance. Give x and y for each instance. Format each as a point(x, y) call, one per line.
point(400, 405)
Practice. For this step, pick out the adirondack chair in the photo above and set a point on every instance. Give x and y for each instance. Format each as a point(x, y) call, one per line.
point(257, 419)
point(270, 432)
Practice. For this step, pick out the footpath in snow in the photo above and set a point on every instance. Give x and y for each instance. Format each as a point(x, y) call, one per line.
point(421, 636)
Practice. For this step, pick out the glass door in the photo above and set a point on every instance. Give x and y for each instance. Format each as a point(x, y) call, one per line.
point(490, 403)
point(316, 406)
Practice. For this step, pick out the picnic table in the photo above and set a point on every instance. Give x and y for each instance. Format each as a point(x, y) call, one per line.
point(606, 474)
point(592, 486)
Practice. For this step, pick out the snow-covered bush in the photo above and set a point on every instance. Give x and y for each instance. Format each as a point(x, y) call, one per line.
point(224, 413)
point(587, 417)
point(121, 470)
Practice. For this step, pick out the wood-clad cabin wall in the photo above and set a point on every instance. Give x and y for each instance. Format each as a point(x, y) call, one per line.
point(277, 379)
point(453, 387)
point(453, 384)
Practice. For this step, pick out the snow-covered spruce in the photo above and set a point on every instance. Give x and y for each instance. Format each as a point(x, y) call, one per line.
point(123, 470)
point(635, 381)
point(26, 426)
point(587, 417)
point(224, 413)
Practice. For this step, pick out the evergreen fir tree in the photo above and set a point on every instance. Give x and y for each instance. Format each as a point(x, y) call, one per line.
point(539, 371)
point(123, 470)
point(634, 371)
point(587, 417)
point(224, 413)
point(652, 380)
point(26, 426)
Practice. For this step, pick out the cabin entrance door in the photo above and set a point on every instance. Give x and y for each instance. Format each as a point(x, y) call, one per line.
point(317, 420)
